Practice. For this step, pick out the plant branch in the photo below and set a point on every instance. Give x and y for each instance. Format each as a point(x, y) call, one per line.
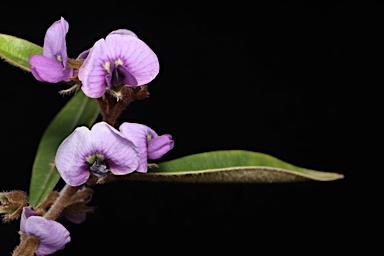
point(27, 246)
point(61, 202)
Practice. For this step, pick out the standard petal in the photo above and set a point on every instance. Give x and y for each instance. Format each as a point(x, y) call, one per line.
point(54, 41)
point(93, 71)
point(53, 236)
point(159, 146)
point(45, 69)
point(83, 55)
point(138, 133)
point(124, 32)
point(138, 59)
point(120, 154)
point(26, 213)
point(71, 157)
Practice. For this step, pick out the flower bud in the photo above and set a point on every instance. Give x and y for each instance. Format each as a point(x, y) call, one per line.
point(12, 203)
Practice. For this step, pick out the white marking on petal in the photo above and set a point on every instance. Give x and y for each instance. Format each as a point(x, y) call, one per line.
point(107, 66)
point(118, 62)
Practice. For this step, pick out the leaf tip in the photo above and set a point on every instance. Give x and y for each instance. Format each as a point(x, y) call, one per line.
point(330, 176)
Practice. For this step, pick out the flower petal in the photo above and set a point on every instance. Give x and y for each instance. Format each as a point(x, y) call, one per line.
point(83, 55)
point(71, 157)
point(45, 69)
point(35, 73)
point(53, 236)
point(93, 71)
point(139, 60)
point(124, 32)
point(26, 213)
point(159, 146)
point(137, 133)
point(54, 41)
point(128, 78)
point(121, 154)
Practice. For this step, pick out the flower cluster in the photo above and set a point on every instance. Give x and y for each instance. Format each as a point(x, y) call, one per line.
point(115, 71)
point(119, 59)
point(104, 149)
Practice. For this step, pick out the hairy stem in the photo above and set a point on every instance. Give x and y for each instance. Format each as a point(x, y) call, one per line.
point(61, 202)
point(111, 108)
point(106, 106)
point(27, 246)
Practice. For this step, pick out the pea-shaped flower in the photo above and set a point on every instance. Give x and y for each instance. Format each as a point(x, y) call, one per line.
point(52, 235)
point(96, 151)
point(119, 59)
point(52, 65)
point(149, 143)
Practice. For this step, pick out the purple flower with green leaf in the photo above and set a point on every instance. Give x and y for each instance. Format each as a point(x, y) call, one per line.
point(52, 65)
point(53, 236)
point(95, 151)
point(149, 143)
point(119, 59)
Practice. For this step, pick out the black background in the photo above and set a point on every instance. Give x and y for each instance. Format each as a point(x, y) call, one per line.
point(300, 81)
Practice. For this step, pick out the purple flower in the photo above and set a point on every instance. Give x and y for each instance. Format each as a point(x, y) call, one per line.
point(150, 144)
point(53, 236)
point(119, 59)
point(96, 151)
point(52, 65)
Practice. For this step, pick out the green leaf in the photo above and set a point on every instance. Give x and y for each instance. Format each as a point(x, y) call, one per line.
point(17, 51)
point(231, 166)
point(80, 110)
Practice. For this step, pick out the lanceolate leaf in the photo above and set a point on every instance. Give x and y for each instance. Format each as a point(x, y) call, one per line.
point(80, 110)
point(17, 51)
point(232, 166)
